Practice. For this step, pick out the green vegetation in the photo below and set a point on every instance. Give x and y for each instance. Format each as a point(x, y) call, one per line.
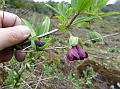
point(35, 6)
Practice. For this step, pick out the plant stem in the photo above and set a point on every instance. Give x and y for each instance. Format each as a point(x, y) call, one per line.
point(71, 21)
point(64, 47)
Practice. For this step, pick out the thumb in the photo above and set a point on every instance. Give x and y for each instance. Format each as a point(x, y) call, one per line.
point(13, 35)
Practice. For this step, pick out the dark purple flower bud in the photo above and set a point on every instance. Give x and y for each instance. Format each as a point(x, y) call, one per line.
point(76, 53)
point(20, 55)
point(39, 43)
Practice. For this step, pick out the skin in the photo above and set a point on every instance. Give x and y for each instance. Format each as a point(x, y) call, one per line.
point(11, 33)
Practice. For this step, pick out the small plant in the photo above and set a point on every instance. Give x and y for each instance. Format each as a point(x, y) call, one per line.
point(114, 50)
point(95, 36)
point(86, 79)
point(88, 76)
point(2, 3)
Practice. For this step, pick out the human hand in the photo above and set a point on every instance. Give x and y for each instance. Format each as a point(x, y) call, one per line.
point(11, 33)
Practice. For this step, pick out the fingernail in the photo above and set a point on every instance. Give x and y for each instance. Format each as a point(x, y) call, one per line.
point(25, 31)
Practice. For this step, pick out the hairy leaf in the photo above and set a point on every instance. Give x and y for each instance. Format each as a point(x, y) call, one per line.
point(44, 26)
point(82, 19)
point(32, 32)
point(81, 5)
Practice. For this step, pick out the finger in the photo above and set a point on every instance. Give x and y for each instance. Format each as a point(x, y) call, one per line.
point(13, 35)
point(6, 54)
point(8, 19)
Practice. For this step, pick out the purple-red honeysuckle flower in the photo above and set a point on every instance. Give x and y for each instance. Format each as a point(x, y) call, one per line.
point(76, 53)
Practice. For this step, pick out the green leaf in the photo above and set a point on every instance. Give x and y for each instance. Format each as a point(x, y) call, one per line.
point(88, 5)
point(97, 5)
point(100, 3)
point(82, 19)
point(34, 38)
point(108, 14)
point(73, 40)
point(62, 27)
point(32, 32)
point(61, 18)
point(29, 67)
point(69, 12)
point(26, 23)
point(94, 36)
point(81, 5)
point(54, 9)
point(10, 78)
point(80, 42)
point(74, 4)
point(44, 26)
point(83, 24)
point(32, 19)
point(63, 10)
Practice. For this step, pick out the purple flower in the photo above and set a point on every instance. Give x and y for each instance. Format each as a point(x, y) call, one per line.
point(76, 53)
point(39, 43)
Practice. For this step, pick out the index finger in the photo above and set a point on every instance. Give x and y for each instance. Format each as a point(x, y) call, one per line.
point(9, 19)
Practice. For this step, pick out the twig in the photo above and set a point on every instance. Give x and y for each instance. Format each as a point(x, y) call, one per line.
point(26, 48)
point(26, 84)
point(111, 35)
point(48, 78)
point(28, 51)
point(43, 80)
point(38, 81)
point(55, 30)
point(56, 48)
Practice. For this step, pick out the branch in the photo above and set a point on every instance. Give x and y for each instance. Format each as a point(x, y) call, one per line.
point(67, 46)
point(75, 16)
